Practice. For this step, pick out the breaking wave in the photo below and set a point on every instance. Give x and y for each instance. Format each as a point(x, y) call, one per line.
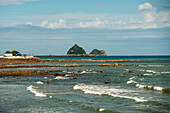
point(37, 93)
point(150, 87)
point(105, 90)
point(39, 82)
point(156, 88)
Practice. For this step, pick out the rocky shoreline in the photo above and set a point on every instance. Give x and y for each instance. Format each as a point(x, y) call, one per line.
point(65, 65)
point(35, 61)
point(12, 63)
point(28, 72)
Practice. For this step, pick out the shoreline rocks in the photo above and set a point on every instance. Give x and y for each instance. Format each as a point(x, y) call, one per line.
point(27, 72)
point(35, 61)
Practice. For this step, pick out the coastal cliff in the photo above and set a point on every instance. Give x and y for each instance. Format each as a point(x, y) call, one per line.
point(76, 51)
point(96, 52)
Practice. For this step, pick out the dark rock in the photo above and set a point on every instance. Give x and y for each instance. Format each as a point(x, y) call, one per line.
point(130, 71)
point(107, 82)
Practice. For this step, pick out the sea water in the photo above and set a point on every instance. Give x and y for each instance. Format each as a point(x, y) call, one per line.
point(91, 89)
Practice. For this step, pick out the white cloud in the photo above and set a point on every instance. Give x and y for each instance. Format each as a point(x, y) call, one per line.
point(43, 23)
point(95, 23)
point(148, 12)
point(145, 6)
point(16, 2)
point(29, 23)
point(149, 17)
point(118, 22)
point(53, 25)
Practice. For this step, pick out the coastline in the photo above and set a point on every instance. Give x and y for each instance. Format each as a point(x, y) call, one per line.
point(13, 63)
point(34, 61)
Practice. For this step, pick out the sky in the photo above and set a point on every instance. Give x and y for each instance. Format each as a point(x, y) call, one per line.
point(120, 27)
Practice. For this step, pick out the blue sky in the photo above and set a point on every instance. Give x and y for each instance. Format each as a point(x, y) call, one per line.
point(120, 27)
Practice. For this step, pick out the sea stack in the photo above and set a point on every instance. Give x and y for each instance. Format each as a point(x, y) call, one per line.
point(76, 51)
point(96, 52)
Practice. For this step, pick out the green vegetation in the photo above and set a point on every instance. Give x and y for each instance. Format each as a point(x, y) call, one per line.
point(96, 51)
point(14, 52)
point(76, 50)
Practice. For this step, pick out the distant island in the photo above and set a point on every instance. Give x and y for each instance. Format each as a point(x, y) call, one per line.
point(79, 51)
point(96, 52)
point(76, 51)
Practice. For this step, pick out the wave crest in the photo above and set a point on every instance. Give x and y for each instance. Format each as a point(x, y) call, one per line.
point(33, 90)
point(105, 90)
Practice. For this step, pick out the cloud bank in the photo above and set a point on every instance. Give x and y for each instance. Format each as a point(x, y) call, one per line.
point(15, 2)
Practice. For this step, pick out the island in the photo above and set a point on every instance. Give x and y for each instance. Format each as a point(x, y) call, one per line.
point(76, 51)
point(96, 52)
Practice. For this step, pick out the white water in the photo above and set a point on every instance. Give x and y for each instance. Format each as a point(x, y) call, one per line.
point(88, 72)
point(165, 72)
point(157, 88)
point(151, 71)
point(131, 80)
point(33, 90)
point(115, 92)
point(39, 82)
point(60, 77)
point(148, 74)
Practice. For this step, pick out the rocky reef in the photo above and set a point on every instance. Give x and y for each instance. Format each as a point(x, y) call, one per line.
point(96, 52)
point(76, 51)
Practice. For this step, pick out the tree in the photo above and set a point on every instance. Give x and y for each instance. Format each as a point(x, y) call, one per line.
point(14, 52)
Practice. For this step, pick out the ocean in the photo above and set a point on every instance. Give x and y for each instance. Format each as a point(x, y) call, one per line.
point(143, 89)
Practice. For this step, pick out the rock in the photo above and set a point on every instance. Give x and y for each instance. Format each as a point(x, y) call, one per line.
point(96, 52)
point(107, 82)
point(100, 71)
point(70, 69)
point(130, 71)
point(59, 74)
point(115, 64)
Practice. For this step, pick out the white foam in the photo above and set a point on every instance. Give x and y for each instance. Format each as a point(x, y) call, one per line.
point(83, 72)
point(60, 77)
point(101, 109)
point(88, 72)
point(67, 75)
point(151, 65)
point(33, 89)
point(141, 70)
point(131, 80)
point(100, 90)
point(150, 71)
point(156, 65)
point(165, 72)
point(156, 88)
point(39, 82)
point(148, 74)
point(45, 77)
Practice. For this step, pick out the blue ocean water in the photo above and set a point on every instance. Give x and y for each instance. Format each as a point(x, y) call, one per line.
point(91, 89)
point(111, 57)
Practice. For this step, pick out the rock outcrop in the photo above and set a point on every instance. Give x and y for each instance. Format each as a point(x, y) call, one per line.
point(76, 51)
point(96, 52)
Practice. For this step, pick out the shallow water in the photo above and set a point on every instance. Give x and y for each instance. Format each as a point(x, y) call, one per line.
point(113, 90)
